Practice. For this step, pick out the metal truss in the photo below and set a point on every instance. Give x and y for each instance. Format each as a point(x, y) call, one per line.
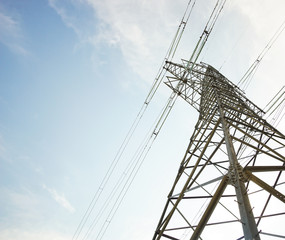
point(229, 184)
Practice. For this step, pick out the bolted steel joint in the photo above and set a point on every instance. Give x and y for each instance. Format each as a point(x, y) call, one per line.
point(236, 173)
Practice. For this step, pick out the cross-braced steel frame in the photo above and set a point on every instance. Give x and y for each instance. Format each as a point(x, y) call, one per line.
point(231, 173)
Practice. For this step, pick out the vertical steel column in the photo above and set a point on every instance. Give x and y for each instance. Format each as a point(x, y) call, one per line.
point(235, 171)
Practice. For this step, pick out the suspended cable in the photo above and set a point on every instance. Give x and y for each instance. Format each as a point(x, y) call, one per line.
point(170, 53)
point(196, 53)
point(184, 26)
point(231, 51)
point(235, 44)
point(128, 171)
point(252, 69)
point(213, 34)
point(275, 107)
point(271, 101)
point(157, 128)
point(132, 168)
point(276, 102)
point(206, 33)
point(278, 116)
point(281, 117)
point(104, 207)
point(248, 76)
point(106, 178)
point(127, 186)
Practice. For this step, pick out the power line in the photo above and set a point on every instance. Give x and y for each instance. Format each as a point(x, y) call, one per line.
point(160, 122)
point(157, 81)
point(275, 107)
point(247, 77)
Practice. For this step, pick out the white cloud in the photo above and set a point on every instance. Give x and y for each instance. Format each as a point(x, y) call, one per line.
point(76, 15)
point(11, 33)
point(67, 19)
point(142, 30)
point(60, 199)
point(8, 25)
point(139, 29)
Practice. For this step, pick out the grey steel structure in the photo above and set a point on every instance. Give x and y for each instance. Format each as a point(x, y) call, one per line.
point(230, 177)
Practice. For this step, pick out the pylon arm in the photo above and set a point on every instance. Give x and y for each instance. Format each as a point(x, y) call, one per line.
point(265, 186)
point(264, 168)
point(207, 214)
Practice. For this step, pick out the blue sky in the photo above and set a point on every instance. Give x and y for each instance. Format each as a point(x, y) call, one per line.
point(74, 74)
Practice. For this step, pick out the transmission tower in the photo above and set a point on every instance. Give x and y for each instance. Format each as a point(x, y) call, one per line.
point(230, 178)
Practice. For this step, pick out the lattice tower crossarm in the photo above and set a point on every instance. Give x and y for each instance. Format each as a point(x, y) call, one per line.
point(231, 140)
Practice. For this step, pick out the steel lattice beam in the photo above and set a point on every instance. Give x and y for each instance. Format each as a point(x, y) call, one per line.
point(229, 126)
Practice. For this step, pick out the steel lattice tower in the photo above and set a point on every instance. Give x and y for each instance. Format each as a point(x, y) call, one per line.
point(233, 162)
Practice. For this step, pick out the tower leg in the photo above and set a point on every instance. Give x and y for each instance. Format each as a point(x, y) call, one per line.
point(207, 214)
point(236, 176)
point(248, 222)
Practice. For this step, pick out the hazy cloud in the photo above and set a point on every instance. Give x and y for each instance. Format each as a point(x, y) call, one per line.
point(138, 29)
point(11, 33)
point(76, 15)
point(142, 31)
point(60, 199)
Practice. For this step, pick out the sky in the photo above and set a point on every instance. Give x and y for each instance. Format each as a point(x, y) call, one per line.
point(74, 74)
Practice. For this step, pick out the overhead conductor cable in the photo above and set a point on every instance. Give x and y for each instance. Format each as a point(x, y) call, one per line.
point(247, 77)
point(169, 55)
point(145, 149)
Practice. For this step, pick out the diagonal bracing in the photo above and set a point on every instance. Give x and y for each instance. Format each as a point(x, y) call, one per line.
point(232, 168)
